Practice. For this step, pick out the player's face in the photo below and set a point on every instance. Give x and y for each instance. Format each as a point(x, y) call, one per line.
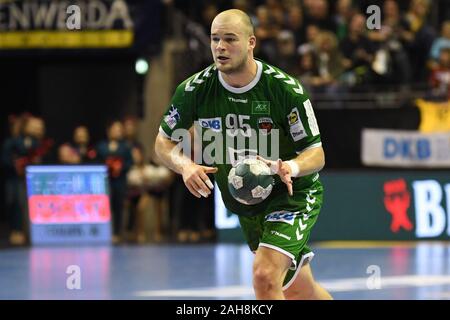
point(230, 46)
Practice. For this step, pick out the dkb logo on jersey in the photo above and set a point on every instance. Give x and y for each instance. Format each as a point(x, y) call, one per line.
point(281, 216)
point(215, 124)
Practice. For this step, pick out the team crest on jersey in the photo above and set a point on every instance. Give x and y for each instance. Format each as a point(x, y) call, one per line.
point(265, 124)
point(295, 125)
point(260, 107)
point(173, 117)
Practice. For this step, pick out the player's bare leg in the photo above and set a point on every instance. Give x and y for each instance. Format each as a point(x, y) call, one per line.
point(305, 287)
point(269, 269)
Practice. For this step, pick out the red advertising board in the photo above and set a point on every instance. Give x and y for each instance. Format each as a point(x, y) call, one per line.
point(45, 209)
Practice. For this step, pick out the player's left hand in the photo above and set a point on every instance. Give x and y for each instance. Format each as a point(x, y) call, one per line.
point(282, 169)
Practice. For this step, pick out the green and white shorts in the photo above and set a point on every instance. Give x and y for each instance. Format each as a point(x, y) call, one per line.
point(286, 231)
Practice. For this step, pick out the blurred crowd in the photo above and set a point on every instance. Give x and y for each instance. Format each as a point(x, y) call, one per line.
point(328, 46)
point(142, 193)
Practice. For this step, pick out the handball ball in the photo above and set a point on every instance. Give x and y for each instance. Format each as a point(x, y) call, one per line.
point(250, 181)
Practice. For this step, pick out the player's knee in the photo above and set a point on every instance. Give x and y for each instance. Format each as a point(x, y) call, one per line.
point(265, 278)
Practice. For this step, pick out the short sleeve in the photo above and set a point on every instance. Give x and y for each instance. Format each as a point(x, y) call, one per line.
point(300, 121)
point(180, 113)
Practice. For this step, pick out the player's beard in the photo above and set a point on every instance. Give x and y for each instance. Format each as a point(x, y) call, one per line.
point(235, 69)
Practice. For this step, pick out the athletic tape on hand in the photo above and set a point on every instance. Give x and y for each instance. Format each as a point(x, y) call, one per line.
point(295, 169)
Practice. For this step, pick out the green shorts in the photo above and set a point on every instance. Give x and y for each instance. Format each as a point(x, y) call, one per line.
point(286, 231)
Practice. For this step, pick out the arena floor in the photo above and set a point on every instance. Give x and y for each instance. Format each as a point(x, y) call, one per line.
point(418, 270)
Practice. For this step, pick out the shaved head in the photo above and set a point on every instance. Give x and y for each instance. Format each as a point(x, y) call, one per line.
point(235, 16)
point(232, 42)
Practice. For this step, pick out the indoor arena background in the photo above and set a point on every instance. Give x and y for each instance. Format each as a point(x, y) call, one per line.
point(379, 86)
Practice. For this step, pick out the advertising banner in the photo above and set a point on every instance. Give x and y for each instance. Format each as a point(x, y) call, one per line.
point(408, 149)
point(68, 204)
point(378, 205)
point(79, 24)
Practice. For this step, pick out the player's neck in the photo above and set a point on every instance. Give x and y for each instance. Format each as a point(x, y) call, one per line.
point(243, 77)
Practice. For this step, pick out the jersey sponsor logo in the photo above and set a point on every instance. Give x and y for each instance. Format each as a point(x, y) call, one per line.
point(281, 216)
point(214, 124)
point(296, 129)
point(173, 117)
point(237, 100)
point(260, 107)
point(265, 124)
point(293, 117)
point(280, 234)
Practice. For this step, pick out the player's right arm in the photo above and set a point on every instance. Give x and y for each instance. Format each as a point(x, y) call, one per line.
point(194, 175)
point(180, 115)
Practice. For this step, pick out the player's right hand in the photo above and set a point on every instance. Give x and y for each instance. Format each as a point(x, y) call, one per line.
point(196, 179)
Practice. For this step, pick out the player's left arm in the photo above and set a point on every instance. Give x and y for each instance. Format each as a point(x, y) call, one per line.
point(303, 131)
point(307, 162)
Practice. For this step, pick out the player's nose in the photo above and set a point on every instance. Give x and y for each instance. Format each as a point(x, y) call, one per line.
point(220, 46)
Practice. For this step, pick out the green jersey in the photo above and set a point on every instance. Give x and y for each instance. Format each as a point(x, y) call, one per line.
point(272, 116)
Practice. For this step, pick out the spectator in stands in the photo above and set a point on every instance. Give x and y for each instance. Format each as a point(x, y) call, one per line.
point(294, 22)
point(443, 42)
point(344, 12)
point(14, 211)
point(193, 215)
point(146, 181)
point(440, 76)
point(312, 31)
point(417, 37)
point(286, 52)
point(68, 155)
point(266, 31)
point(358, 52)
point(81, 144)
point(317, 12)
point(329, 59)
point(307, 70)
point(29, 148)
point(116, 154)
point(130, 125)
point(276, 11)
point(209, 11)
point(391, 61)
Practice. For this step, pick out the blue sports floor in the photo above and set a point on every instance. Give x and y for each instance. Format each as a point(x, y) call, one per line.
point(418, 270)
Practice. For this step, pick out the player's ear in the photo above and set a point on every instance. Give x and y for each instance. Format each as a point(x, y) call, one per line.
point(252, 42)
